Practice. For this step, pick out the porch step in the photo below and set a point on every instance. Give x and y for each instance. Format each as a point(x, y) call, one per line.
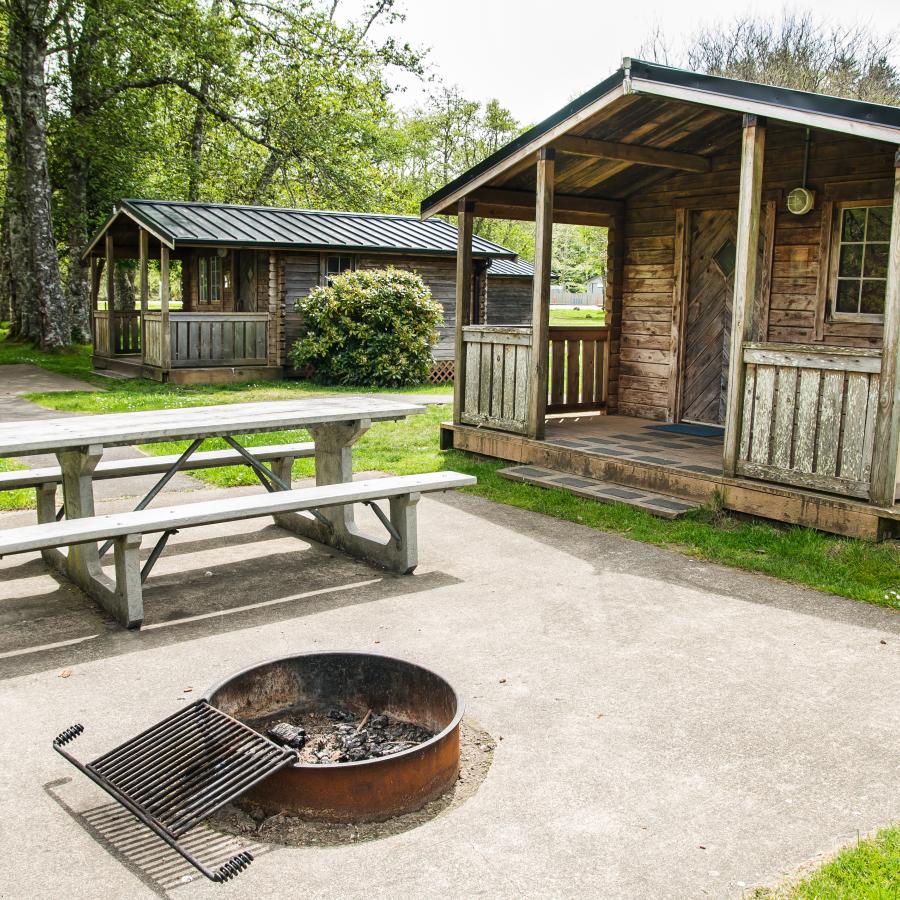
point(661, 505)
point(113, 376)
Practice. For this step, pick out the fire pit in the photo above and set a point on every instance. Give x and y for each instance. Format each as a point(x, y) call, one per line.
point(337, 691)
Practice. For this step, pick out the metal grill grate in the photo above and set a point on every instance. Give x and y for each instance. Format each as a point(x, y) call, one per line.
point(181, 770)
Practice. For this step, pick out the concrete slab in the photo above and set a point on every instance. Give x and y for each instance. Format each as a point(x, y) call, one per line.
point(708, 729)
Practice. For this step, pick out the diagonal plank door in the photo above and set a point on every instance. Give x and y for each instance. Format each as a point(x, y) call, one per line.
point(708, 327)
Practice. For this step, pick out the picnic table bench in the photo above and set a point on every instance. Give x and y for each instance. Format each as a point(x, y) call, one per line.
point(324, 513)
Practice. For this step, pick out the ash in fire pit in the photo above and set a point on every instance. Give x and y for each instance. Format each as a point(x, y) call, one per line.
point(340, 736)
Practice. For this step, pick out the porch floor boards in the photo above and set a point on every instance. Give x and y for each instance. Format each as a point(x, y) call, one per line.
point(636, 440)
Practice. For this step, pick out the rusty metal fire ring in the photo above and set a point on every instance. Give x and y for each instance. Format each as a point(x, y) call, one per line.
point(369, 790)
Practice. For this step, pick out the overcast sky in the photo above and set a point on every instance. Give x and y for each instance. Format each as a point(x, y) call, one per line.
point(534, 55)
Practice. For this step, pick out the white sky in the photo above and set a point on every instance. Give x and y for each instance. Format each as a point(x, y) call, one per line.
point(535, 55)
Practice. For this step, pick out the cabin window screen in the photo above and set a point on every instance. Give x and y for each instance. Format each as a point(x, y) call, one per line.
point(337, 265)
point(210, 279)
point(860, 245)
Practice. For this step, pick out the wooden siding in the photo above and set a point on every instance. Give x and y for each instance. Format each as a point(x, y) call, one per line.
point(642, 325)
point(300, 274)
point(508, 301)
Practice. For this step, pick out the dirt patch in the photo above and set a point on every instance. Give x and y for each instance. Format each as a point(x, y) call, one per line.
point(476, 753)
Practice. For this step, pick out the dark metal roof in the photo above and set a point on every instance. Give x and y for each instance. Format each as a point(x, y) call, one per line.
point(510, 268)
point(185, 224)
point(873, 120)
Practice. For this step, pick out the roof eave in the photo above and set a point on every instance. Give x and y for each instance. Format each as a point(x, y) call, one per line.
point(500, 253)
point(125, 210)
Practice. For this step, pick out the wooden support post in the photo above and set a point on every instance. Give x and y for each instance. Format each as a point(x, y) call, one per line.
point(540, 308)
point(887, 421)
point(165, 330)
point(749, 204)
point(110, 294)
point(463, 302)
point(143, 251)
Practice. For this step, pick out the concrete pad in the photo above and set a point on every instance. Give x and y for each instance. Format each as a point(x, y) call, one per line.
point(709, 729)
point(25, 378)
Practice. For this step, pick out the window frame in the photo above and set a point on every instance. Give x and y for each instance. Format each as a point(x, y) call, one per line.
point(210, 262)
point(835, 260)
point(326, 276)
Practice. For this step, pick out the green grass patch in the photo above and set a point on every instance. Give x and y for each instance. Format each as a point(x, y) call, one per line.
point(584, 316)
point(856, 569)
point(23, 498)
point(870, 870)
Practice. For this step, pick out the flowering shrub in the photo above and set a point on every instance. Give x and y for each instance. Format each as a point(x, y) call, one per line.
point(373, 327)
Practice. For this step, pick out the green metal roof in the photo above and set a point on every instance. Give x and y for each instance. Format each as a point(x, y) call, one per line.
point(181, 224)
point(510, 268)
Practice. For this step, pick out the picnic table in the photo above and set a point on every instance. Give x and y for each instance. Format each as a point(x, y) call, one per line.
point(78, 442)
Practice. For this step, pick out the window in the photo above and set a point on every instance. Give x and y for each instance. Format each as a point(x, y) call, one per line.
point(210, 279)
point(337, 265)
point(860, 261)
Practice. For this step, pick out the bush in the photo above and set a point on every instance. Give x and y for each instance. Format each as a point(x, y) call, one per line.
point(373, 327)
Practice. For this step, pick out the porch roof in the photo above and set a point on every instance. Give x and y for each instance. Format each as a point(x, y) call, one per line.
point(634, 129)
point(181, 224)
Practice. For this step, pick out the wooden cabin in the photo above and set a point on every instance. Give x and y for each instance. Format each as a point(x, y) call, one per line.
point(751, 346)
point(242, 270)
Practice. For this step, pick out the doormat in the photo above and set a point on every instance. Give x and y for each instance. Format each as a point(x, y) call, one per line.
point(687, 428)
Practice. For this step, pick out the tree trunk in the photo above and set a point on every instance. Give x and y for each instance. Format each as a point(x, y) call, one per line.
point(125, 276)
point(41, 313)
point(78, 285)
point(5, 283)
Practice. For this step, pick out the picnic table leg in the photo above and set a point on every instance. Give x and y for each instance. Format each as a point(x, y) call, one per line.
point(46, 512)
point(83, 560)
point(334, 465)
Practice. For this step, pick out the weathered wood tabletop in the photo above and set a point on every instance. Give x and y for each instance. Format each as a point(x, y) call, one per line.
point(149, 426)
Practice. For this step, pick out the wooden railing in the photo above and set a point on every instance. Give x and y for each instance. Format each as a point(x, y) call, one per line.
point(153, 339)
point(579, 369)
point(497, 359)
point(219, 339)
point(809, 416)
point(117, 332)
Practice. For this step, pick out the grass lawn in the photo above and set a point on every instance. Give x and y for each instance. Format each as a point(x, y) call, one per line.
point(584, 316)
point(855, 569)
point(870, 870)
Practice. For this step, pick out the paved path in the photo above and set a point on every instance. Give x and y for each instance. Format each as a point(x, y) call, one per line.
point(23, 378)
point(666, 728)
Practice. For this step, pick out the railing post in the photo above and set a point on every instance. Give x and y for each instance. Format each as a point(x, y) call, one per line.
point(540, 307)
point(143, 252)
point(165, 337)
point(109, 349)
point(747, 241)
point(464, 223)
point(887, 423)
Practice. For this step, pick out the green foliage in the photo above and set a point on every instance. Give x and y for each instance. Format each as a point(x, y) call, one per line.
point(372, 327)
point(579, 253)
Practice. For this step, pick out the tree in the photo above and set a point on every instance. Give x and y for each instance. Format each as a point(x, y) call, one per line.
point(31, 267)
point(797, 51)
point(579, 253)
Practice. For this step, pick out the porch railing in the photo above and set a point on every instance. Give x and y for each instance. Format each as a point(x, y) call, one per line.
point(579, 369)
point(219, 339)
point(809, 416)
point(497, 361)
point(117, 332)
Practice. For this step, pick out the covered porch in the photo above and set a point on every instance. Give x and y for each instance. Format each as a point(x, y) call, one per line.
point(726, 308)
point(213, 330)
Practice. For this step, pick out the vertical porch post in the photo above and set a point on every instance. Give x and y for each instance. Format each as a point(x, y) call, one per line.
point(110, 295)
point(749, 203)
point(540, 306)
point(887, 421)
point(465, 217)
point(165, 332)
point(143, 249)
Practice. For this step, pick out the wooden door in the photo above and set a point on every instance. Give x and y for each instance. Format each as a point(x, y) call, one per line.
point(707, 334)
point(246, 281)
